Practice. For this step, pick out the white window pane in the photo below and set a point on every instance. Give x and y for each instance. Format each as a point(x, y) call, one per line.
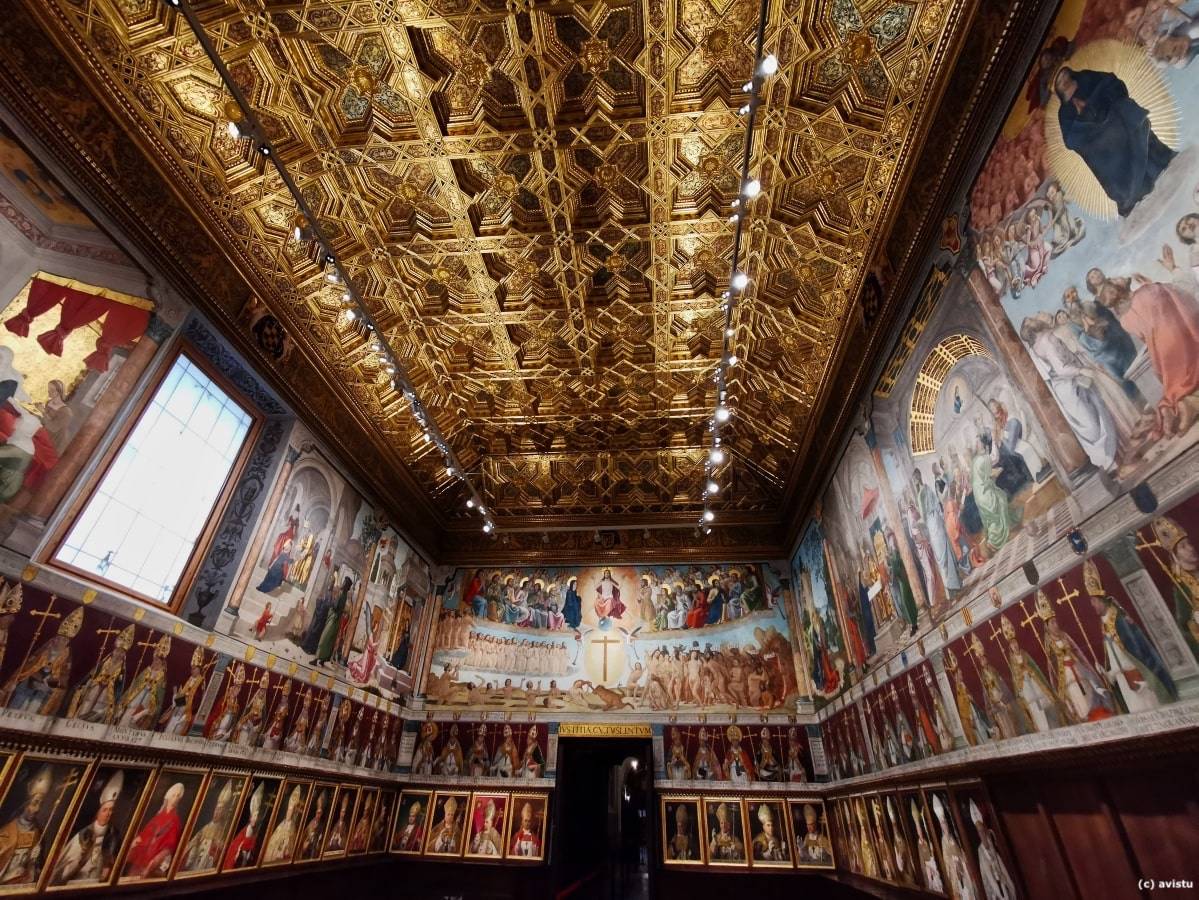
point(142, 523)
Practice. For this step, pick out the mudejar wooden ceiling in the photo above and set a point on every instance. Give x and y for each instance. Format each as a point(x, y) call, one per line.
point(533, 201)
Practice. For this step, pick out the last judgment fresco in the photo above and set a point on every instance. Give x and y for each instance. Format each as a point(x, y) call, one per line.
point(615, 638)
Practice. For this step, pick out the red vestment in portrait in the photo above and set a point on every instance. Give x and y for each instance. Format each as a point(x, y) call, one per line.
point(155, 843)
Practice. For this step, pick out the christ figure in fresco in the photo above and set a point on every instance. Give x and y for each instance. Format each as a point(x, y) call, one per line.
point(607, 598)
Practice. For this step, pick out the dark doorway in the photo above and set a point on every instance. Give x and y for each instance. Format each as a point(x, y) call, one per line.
point(604, 819)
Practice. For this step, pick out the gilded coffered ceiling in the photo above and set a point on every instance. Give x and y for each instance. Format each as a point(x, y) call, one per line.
point(532, 198)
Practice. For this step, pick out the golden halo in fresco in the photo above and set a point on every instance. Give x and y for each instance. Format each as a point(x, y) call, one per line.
point(1132, 65)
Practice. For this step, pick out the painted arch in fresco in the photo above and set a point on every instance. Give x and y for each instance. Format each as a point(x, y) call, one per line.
point(1057, 357)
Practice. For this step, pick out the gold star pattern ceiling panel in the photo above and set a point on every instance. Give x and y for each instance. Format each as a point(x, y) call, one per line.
point(533, 201)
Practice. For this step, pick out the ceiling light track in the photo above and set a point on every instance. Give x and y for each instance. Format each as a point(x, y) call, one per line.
point(244, 124)
point(764, 67)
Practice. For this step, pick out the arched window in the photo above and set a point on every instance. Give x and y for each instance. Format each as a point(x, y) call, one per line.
point(936, 366)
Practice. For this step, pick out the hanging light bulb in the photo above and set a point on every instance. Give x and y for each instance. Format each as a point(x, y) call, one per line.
point(470, 502)
point(740, 280)
point(236, 118)
point(299, 225)
point(730, 332)
point(732, 360)
point(744, 110)
point(713, 487)
point(709, 515)
point(351, 314)
point(734, 218)
point(769, 65)
point(752, 188)
point(723, 413)
point(748, 87)
point(451, 471)
point(716, 456)
point(487, 527)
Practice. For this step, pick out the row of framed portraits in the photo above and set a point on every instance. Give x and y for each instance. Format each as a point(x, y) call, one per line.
point(71, 822)
point(770, 833)
point(481, 825)
point(942, 838)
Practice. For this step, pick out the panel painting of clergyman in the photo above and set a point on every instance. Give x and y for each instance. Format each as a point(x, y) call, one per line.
point(284, 830)
point(895, 858)
point(810, 827)
point(100, 827)
point(411, 821)
point(724, 832)
point(381, 826)
point(165, 817)
point(341, 818)
point(447, 829)
point(863, 839)
point(35, 805)
point(205, 841)
point(770, 841)
point(486, 825)
point(845, 835)
point(985, 841)
point(525, 839)
point(316, 822)
point(360, 830)
point(680, 820)
point(245, 845)
point(959, 881)
point(918, 831)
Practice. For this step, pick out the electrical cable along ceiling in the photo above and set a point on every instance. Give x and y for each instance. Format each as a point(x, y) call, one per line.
point(530, 207)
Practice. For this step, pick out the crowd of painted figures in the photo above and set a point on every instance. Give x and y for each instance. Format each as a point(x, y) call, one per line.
point(483, 825)
point(1074, 650)
point(942, 839)
point(495, 750)
point(668, 598)
point(87, 666)
point(776, 832)
point(81, 822)
point(770, 753)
